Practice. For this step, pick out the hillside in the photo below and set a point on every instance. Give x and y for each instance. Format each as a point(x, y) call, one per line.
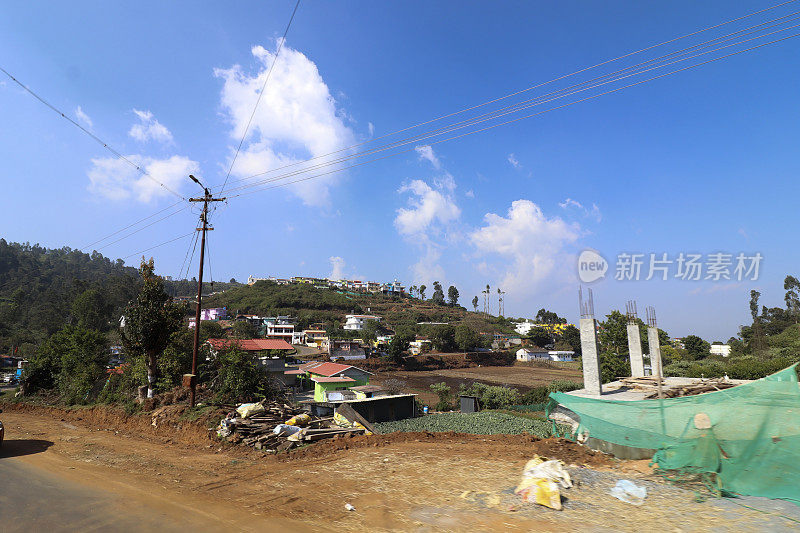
point(43, 289)
point(312, 305)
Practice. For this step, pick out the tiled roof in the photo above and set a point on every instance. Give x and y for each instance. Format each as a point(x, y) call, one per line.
point(250, 345)
point(297, 372)
point(328, 369)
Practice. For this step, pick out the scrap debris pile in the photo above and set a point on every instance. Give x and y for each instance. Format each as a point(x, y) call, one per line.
point(278, 427)
point(649, 384)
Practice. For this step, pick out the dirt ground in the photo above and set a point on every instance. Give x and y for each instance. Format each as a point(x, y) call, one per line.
point(400, 482)
point(522, 377)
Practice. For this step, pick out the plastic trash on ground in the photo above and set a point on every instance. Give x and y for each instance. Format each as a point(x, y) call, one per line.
point(300, 420)
point(629, 492)
point(246, 410)
point(283, 430)
point(541, 482)
point(224, 428)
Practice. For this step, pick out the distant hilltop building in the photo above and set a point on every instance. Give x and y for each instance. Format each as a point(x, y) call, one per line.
point(374, 287)
point(721, 349)
point(524, 328)
point(357, 322)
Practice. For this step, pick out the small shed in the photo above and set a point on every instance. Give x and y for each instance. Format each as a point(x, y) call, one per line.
point(470, 404)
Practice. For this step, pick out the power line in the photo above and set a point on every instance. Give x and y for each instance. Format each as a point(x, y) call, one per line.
point(528, 88)
point(526, 116)
point(129, 226)
point(513, 109)
point(260, 94)
point(160, 245)
point(143, 228)
point(186, 256)
point(89, 133)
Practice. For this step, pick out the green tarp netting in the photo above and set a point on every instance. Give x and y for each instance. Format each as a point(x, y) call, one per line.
point(752, 445)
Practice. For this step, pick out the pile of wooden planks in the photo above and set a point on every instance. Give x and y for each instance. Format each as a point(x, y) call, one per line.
point(705, 385)
point(258, 430)
point(642, 383)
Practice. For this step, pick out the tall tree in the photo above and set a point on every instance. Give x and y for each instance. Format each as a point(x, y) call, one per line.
point(149, 321)
point(438, 293)
point(422, 292)
point(754, 296)
point(792, 287)
point(696, 347)
point(475, 303)
point(452, 295)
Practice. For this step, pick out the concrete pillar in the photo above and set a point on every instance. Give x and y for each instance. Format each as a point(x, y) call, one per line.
point(655, 351)
point(635, 351)
point(592, 381)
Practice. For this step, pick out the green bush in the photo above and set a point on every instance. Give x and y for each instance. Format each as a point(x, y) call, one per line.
point(73, 361)
point(236, 376)
point(445, 394)
point(492, 396)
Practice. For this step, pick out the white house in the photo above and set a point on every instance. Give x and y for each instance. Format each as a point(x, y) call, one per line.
point(532, 354)
point(281, 327)
point(721, 349)
point(419, 346)
point(561, 355)
point(357, 322)
point(524, 328)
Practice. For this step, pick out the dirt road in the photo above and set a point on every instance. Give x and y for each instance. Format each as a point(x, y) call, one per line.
point(102, 478)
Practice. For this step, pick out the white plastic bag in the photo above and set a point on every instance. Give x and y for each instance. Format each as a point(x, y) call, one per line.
point(628, 492)
point(246, 410)
point(551, 470)
point(283, 430)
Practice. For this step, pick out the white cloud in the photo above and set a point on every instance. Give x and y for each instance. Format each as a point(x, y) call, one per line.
point(149, 129)
point(296, 119)
point(116, 179)
point(535, 245)
point(593, 212)
point(427, 206)
point(430, 212)
point(337, 268)
point(470, 194)
point(83, 117)
point(513, 160)
point(371, 128)
point(426, 152)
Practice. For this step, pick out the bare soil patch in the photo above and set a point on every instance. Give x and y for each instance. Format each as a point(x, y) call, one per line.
point(520, 377)
point(398, 482)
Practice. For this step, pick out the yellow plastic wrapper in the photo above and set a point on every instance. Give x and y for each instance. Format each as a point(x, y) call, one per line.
point(541, 482)
point(299, 420)
point(541, 491)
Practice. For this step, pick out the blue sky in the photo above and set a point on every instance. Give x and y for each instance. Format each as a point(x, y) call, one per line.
point(700, 162)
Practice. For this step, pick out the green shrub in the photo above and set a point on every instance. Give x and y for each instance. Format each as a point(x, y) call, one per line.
point(445, 394)
point(493, 396)
point(236, 376)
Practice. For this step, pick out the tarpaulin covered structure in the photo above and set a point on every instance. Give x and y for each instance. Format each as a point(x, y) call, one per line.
point(747, 436)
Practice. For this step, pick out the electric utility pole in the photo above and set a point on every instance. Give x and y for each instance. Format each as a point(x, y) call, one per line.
point(206, 199)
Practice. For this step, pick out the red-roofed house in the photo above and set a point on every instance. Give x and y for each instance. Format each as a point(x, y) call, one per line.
point(250, 345)
point(262, 348)
point(329, 377)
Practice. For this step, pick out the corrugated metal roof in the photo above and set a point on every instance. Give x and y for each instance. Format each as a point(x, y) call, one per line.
point(333, 379)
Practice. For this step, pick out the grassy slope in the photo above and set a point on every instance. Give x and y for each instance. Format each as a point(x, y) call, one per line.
point(325, 305)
